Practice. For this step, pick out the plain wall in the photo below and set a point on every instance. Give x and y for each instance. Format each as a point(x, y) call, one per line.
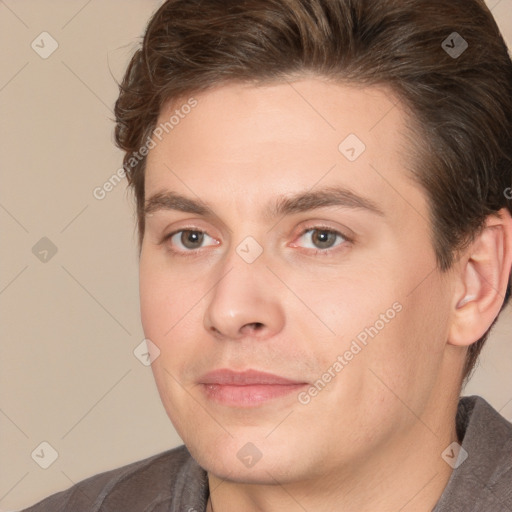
point(68, 375)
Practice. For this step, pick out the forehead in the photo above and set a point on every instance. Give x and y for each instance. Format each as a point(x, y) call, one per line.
point(241, 143)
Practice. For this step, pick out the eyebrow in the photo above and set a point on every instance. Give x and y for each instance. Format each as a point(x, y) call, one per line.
point(297, 203)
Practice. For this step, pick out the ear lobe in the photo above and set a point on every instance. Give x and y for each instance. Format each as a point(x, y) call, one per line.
point(484, 270)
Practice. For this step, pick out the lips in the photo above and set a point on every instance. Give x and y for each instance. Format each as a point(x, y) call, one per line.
point(246, 378)
point(246, 389)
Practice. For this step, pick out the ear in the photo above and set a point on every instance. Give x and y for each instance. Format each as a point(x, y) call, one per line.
point(482, 277)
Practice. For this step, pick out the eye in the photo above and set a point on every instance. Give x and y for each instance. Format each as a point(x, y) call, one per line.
point(189, 239)
point(321, 239)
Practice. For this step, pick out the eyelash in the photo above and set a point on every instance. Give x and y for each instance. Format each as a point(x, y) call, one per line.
point(196, 252)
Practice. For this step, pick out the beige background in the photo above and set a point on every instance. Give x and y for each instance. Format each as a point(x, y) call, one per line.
point(68, 375)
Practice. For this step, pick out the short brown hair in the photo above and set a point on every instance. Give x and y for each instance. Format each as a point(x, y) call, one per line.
point(461, 104)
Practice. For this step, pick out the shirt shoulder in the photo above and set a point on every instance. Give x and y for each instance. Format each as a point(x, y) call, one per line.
point(482, 478)
point(154, 484)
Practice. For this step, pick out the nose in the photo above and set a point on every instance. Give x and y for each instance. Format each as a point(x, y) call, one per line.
point(245, 302)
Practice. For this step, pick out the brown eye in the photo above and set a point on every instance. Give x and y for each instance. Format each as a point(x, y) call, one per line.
point(323, 239)
point(191, 239)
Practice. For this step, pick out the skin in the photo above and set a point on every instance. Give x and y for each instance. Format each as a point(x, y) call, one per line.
point(372, 438)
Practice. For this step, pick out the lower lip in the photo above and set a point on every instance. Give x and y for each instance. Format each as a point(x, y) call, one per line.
point(250, 395)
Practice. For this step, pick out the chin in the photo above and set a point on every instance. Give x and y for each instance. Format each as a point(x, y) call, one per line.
point(242, 461)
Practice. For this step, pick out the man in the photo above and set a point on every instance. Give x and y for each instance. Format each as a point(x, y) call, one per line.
point(325, 242)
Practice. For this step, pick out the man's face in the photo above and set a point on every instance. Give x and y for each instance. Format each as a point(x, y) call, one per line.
point(335, 293)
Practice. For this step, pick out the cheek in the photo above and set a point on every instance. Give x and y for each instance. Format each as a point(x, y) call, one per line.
point(163, 305)
point(165, 310)
point(406, 357)
point(170, 306)
point(395, 316)
point(164, 294)
point(153, 300)
point(427, 325)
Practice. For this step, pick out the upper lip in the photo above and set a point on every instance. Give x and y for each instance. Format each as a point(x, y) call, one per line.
point(228, 377)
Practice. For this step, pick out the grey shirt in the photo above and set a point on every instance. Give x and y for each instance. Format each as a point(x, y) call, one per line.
point(173, 481)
